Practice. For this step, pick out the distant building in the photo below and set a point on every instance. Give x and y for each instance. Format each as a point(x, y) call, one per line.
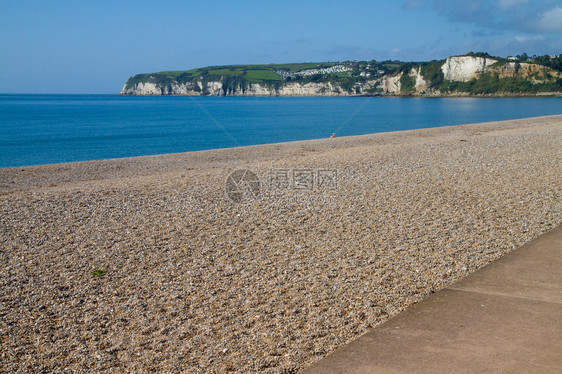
point(284, 74)
point(513, 58)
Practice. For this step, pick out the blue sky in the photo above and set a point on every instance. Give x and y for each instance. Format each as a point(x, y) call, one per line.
point(79, 46)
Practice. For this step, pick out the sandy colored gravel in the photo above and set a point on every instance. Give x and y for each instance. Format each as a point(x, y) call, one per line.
point(144, 263)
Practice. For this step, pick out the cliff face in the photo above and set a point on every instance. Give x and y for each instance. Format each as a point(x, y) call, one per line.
point(525, 70)
point(463, 68)
point(155, 89)
point(421, 84)
point(388, 85)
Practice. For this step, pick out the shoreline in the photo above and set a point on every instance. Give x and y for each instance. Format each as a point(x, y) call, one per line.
point(112, 163)
point(419, 95)
point(144, 263)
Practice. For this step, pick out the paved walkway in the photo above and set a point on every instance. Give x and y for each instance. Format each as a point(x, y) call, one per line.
point(504, 318)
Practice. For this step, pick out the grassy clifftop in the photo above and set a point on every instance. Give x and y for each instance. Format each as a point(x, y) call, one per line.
point(250, 73)
point(270, 73)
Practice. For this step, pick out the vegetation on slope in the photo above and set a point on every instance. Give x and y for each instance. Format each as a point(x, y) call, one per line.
point(246, 73)
point(490, 83)
point(432, 73)
point(407, 83)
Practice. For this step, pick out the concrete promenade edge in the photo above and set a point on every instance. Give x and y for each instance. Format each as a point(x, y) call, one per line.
point(503, 318)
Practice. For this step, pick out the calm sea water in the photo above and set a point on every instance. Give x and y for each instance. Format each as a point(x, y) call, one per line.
point(46, 129)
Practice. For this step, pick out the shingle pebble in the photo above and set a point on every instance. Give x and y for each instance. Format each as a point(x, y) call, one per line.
point(145, 264)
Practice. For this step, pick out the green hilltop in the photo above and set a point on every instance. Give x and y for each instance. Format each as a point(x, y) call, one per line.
point(262, 73)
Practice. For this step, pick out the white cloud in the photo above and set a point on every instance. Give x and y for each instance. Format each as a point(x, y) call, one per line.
point(522, 16)
point(552, 20)
point(526, 39)
point(414, 4)
point(506, 4)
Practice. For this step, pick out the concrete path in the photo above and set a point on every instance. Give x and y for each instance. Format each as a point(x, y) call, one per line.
point(504, 318)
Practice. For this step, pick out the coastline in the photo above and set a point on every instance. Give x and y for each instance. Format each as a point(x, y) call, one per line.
point(198, 282)
point(420, 95)
point(50, 174)
point(98, 137)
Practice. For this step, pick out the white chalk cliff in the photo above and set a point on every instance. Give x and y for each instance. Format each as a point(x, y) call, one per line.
point(390, 85)
point(421, 84)
point(463, 68)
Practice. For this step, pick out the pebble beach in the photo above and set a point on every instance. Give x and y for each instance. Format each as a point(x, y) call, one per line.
point(260, 259)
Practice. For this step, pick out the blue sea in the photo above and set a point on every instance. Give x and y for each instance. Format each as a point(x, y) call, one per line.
point(47, 129)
